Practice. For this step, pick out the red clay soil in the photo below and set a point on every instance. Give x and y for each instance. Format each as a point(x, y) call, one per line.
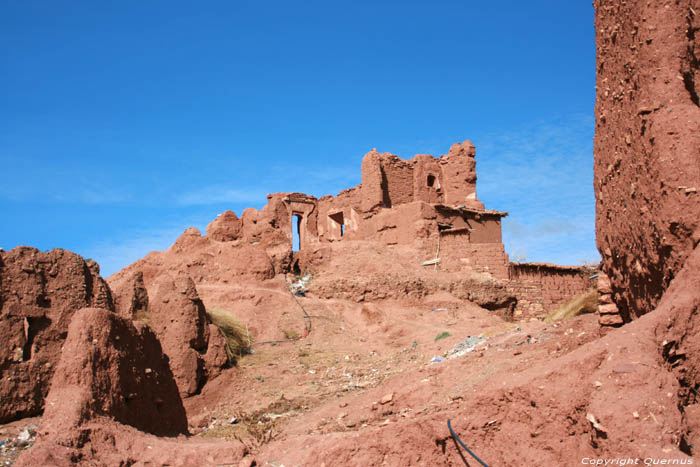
point(319, 399)
point(679, 339)
point(39, 292)
point(361, 390)
point(647, 145)
point(362, 387)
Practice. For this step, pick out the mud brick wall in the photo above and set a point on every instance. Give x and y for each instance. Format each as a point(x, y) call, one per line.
point(397, 181)
point(427, 179)
point(458, 254)
point(348, 202)
point(459, 174)
point(647, 145)
point(406, 224)
point(487, 258)
point(541, 288)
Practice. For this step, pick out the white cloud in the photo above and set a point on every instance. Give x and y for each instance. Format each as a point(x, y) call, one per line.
point(542, 174)
point(217, 194)
point(113, 254)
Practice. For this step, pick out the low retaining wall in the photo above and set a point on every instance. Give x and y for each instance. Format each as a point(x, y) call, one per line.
point(542, 287)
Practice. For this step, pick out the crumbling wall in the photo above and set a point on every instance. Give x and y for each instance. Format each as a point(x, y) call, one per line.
point(374, 194)
point(112, 367)
point(647, 145)
point(481, 226)
point(427, 179)
point(459, 174)
point(303, 206)
point(406, 224)
point(399, 202)
point(397, 181)
point(167, 299)
point(112, 391)
point(349, 203)
point(277, 217)
point(270, 228)
point(542, 287)
point(39, 295)
point(388, 181)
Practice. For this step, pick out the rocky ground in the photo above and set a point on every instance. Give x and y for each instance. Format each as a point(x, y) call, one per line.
point(350, 366)
point(363, 367)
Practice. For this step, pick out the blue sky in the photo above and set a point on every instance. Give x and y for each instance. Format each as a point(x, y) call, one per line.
point(123, 123)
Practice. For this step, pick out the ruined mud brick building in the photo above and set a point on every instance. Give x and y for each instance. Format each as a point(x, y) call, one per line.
point(426, 204)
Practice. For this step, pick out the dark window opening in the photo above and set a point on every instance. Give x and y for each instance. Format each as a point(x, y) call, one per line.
point(296, 232)
point(431, 180)
point(339, 219)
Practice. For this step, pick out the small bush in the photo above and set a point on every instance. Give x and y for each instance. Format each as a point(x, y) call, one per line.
point(238, 339)
point(442, 335)
point(585, 303)
point(290, 334)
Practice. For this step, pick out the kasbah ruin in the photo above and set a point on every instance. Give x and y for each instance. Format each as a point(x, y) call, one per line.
point(399, 312)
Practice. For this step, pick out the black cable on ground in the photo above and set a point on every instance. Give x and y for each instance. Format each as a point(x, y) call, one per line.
point(306, 315)
point(454, 435)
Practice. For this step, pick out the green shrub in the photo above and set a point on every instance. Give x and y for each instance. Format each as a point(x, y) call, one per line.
point(442, 335)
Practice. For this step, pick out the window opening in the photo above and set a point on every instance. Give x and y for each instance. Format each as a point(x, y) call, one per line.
point(339, 220)
point(296, 232)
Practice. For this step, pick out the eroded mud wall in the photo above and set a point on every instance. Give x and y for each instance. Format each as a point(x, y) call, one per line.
point(647, 145)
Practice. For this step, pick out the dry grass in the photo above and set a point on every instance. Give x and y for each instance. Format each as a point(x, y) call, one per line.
point(254, 429)
point(238, 340)
point(585, 303)
point(252, 433)
point(142, 315)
